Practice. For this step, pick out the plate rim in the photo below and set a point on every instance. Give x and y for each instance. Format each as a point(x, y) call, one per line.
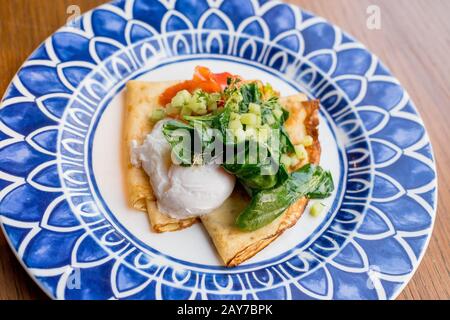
point(420, 121)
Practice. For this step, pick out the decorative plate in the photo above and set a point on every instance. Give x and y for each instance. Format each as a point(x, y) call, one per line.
point(62, 206)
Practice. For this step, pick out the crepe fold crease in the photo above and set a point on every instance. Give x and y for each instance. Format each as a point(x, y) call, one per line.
point(141, 99)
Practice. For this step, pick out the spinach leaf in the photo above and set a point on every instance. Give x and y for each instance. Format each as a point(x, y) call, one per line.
point(239, 163)
point(250, 94)
point(258, 171)
point(310, 181)
point(179, 136)
point(222, 120)
point(255, 182)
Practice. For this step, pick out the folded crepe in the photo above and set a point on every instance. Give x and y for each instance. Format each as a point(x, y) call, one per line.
point(236, 246)
point(141, 99)
point(233, 245)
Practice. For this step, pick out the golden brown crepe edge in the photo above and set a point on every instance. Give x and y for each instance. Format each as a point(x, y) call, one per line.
point(162, 223)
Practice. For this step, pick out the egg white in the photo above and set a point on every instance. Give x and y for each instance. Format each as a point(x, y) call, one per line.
point(181, 192)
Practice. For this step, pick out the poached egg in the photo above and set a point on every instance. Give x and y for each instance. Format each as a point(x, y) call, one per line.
point(181, 192)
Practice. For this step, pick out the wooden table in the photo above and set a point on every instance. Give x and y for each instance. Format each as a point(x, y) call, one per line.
point(414, 42)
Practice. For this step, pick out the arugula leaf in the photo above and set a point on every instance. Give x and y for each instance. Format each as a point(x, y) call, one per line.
point(310, 181)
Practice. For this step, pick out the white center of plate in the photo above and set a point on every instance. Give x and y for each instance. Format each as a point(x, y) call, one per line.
point(192, 244)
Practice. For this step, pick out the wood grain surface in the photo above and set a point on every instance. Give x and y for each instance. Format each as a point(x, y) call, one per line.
point(414, 42)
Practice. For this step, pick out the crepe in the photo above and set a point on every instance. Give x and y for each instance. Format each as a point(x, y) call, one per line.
point(141, 100)
point(234, 245)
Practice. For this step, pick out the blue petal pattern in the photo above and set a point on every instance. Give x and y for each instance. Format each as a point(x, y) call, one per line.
point(353, 61)
point(34, 78)
point(236, 11)
point(381, 93)
point(90, 251)
point(50, 244)
point(412, 217)
point(20, 159)
point(281, 19)
point(31, 207)
point(46, 140)
point(192, 9)
point(150, 12)
point(16, 235)
point(47, 177)
point(109, 24)
point(24, 118)
point(55, 105)
point(62, 216)
point(71, 47)
point(352, 286)
point(317, 37)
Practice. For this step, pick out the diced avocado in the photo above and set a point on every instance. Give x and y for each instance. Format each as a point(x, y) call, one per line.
point(308, 141)
point(234, 100)
point(249, 119)
point(300, 151)
point(213, 99)
point(317, 209)
point(278, 113)
point(254, 108)
point(198, 103)
point(181, 98)
point(186, 111)
point(235, 116)
point(263, 134)
point(235, 124)
point(173, 110)
point(268, 90)
point(270, 120)
point(286, 160)
point(294, 160)
point(212, 105)
point(198, 108)
point(258, 120)
point(158, 114)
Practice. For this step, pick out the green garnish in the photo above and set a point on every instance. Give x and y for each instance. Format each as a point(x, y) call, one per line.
point(157, 115)
point(310, 181)
point(317, 209)
point(197, 103)
point(255, 147)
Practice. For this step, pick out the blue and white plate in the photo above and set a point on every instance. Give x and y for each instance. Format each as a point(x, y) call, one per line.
point(62, 204)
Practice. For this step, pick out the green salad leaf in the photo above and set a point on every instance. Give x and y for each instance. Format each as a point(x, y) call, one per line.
point(180, 135)
point(310, 181)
